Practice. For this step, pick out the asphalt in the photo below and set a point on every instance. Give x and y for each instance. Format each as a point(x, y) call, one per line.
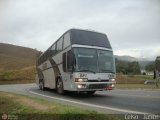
point(115, 101)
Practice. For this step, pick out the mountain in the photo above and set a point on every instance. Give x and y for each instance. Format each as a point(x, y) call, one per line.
point(142, 62)
point(126, 58)
point(13, 57)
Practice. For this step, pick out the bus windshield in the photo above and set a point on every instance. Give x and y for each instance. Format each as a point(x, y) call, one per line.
point(93, 60)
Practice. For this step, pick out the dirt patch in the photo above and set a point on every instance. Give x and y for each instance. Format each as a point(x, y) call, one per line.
point(33, 104)
point(9, 95)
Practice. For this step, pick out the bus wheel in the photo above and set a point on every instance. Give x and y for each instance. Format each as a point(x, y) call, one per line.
point(41, 85)
point(90, 92)
point(59, 86)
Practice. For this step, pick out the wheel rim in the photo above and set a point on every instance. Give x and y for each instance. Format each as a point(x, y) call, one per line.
point(41, 85)
point(59, 86)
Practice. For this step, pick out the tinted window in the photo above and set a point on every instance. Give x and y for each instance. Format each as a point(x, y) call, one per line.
point(64, 62)
point(86, 59)
point(45, 57)
point(59, 44)
point(48, 54)
point(53, 49)
point(42, 58)
point(66, 42)
point(89, 38)
point(105, 61)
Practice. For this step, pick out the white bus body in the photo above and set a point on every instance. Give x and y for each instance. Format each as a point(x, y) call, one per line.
point(80, 60)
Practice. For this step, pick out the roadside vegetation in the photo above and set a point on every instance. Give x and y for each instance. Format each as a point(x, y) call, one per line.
point(29, 108)
point(132, 79)
point(129, 74)
point(135, 81)
point(24, 75)
point(137, 86)
point(17, 64)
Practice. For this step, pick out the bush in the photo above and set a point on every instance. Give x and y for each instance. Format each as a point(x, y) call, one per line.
point(5, 76)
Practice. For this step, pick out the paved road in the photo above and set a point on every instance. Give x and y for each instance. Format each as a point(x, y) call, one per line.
point(116, 101)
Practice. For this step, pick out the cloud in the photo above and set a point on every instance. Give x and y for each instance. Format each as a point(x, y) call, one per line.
point(140, 53)
point(130, 24)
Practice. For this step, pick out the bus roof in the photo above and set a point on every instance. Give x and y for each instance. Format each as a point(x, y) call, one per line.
point(86, 37)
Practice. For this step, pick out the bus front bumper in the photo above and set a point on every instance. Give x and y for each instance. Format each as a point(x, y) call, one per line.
point(95, 86)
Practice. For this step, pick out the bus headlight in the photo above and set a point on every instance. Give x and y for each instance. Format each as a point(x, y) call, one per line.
point(112, 80)
point(81, 79)
point(113, 85)
point(81, 86)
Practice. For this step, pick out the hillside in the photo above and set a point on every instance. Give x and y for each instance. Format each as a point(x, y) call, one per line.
point(126, 58)
point(14, 57)
point(142, 62)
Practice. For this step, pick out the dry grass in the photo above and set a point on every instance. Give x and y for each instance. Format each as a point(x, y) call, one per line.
point(27, 102)
point(17, 64)
point(8, 63)
point(25, 75)
point(28, 108)
point(132, 79)
point(32, 103)
point(14, 57)
point(20, 104)
point(138, 86)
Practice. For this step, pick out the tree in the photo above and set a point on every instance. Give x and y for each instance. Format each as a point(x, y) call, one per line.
point(127, 67)
point(150, 67)
point(121, 66)
point(133, 67)
point(157, 63)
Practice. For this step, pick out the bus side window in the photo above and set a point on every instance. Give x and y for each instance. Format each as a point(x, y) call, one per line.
point(69, 61)
point(42, 58)
point(66, 42)
point(53, 49)
point(45, 56)
point(59, 44)
point(64, 62)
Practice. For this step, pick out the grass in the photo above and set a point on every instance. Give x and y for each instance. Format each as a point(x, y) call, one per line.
point(14, 57)
point(16, 64)
point(25, 75)
point(137, 86)
point(132, 79)
point(31, 108)
point(134, 82)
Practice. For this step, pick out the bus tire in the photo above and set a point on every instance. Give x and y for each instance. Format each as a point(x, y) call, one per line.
point(59, 86)
point(41, 85)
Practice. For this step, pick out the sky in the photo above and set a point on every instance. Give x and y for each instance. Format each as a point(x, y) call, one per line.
point(132, 26)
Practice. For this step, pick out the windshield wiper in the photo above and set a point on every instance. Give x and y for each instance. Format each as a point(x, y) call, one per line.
point(86, 71)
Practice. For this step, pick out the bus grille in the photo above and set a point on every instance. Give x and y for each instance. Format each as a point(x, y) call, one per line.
point(98, 80)
point(97, 86)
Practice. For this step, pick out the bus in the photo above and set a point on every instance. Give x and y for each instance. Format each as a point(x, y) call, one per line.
point(80, 60)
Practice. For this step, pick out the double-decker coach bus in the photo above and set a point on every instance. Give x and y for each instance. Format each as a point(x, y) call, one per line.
point(80, 60)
